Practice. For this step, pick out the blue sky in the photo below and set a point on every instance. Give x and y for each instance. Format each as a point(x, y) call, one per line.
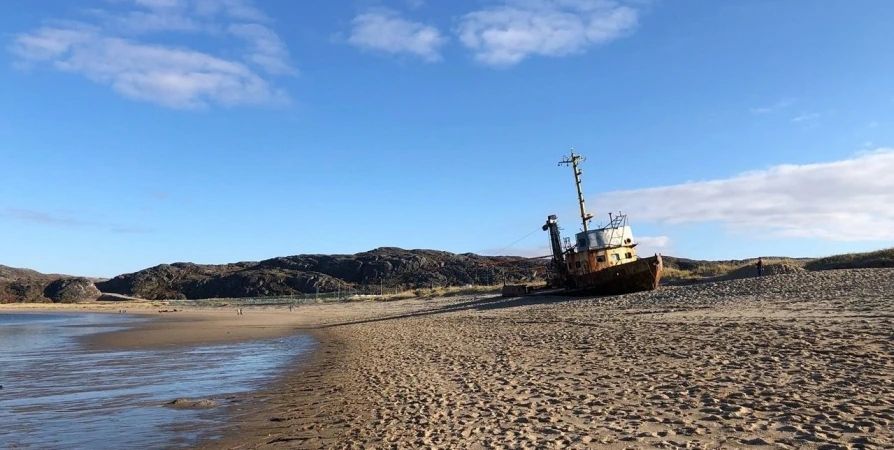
point(139, 132)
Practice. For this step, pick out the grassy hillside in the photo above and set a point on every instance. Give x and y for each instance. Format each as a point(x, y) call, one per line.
point(682, 270)
point(879, 258)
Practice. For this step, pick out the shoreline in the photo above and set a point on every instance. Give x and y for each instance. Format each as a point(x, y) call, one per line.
point(186, 327)
point(802, 360)
point(224, 378)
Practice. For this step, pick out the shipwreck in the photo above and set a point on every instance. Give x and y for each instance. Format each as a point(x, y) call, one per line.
point(600, 261)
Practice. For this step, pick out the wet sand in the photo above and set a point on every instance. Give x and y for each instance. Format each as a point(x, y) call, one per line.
point(802, 360)
point(186, 327)
point(199, 327)
point(59, 394)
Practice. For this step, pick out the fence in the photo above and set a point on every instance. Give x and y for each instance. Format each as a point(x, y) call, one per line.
point(342, 295)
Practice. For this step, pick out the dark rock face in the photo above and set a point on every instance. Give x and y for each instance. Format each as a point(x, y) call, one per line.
point(28, 286)
point(306, 274)
point(71, 290)
point(22, 291)
point(292, 275)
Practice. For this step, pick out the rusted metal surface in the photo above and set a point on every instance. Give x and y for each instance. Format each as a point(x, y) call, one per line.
point(643, 274)
point(608, 266)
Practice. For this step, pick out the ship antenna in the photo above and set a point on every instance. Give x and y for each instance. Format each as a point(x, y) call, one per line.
point(574, 160)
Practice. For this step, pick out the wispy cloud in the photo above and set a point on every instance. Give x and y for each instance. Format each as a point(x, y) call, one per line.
point(41, 217)
point(131, 230)
point(114, 48)
point(505, 34)
point(525, 252)
point(387, 31)
point(782, 104)
point(806, 117)
point(414, 4)
point(65, 219)
point(872, 124)
point(266, 49)
point(847, 200)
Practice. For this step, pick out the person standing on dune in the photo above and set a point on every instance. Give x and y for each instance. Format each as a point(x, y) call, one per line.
point(760, 266)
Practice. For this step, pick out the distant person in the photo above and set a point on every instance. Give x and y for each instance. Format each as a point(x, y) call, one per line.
point(760, 266)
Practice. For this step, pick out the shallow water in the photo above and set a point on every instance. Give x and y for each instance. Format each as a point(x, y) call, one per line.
point(57, 394)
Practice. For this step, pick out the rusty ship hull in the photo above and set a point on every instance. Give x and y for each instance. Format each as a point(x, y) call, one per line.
point(600, 261)
point(644, 274)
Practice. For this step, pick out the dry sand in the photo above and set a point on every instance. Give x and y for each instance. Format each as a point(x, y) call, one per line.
point(791, 361)
point(803, 360)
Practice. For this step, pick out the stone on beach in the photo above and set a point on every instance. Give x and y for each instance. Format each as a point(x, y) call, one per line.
point(192, 404)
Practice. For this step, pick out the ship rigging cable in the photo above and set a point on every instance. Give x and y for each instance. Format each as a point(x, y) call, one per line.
point(516, 242)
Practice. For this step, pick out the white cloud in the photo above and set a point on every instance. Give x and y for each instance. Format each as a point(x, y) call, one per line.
point(847, 200)
point(386, 31)
point(784, 103)
point(653, 241)
point(646, 245)
point(525, 252)
point(116, 51)
point(506, 34)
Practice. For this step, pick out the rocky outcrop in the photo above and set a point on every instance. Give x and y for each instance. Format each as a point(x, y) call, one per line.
point(22, 291)
point(23, 285)
point(71, 290)
point(305, 274)
point(29, 286)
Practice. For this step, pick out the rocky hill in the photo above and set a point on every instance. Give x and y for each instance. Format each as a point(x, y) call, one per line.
point(29, 286)
point(368, 272)
point(386, 267)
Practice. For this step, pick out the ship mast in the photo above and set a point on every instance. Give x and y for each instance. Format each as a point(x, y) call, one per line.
point(574, 160)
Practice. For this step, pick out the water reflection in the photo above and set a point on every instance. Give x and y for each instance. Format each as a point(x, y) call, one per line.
point(57, 395)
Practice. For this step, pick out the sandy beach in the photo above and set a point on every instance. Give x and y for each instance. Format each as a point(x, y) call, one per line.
point(791, 361)
point(803, 360)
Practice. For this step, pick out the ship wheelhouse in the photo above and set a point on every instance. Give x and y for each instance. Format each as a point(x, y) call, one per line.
point(602, 248)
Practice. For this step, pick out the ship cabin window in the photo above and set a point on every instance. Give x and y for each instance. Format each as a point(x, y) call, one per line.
point(616, 257)
point(577, 264)
point(600, 258)
point(628, 255)
point(570, 266)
